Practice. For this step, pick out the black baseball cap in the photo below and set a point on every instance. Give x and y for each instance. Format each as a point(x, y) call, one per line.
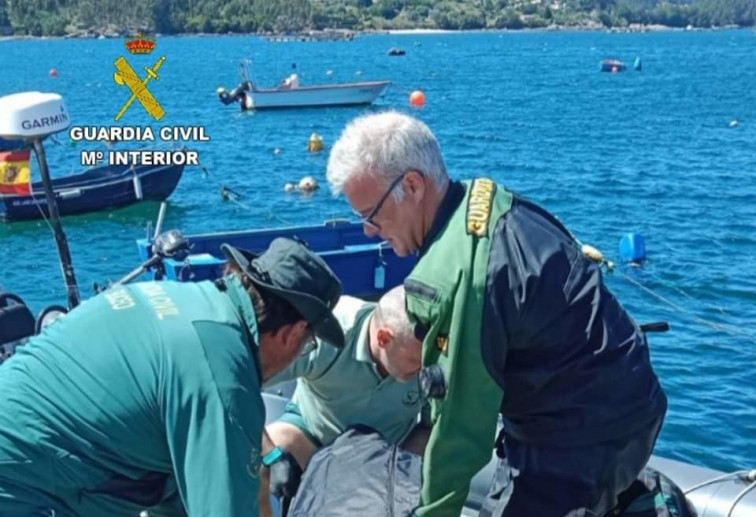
point(291, 271)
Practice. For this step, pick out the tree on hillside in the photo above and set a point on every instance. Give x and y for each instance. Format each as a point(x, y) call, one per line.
point(54, 17)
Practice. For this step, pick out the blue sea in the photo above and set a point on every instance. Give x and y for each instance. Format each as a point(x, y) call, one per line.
point(651, 152)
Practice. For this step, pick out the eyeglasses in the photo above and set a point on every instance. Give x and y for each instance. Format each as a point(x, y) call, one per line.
point(309, 342)
point(369, 219)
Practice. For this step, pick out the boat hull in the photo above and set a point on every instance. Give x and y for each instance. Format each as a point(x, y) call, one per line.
point(315, 96)
point(612, 66)
point(366, 266)
point(94, 190)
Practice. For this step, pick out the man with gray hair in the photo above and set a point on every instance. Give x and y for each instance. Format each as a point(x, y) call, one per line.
point(372, 381)
point(515, 321)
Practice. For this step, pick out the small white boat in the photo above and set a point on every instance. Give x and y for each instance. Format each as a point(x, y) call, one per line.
point(290, 94)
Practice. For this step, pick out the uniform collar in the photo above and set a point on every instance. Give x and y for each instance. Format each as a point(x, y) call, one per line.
point(243, 303)
point(453, 197)
point(362, 343)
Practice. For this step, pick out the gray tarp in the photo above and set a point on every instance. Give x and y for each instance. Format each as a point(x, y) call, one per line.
point(359, 474)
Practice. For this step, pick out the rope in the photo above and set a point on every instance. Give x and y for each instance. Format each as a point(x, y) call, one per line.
point(717, 479)
point(740, 496)
point(734, 331)
point(747, 475)
point(679, 308)
point(228, 194)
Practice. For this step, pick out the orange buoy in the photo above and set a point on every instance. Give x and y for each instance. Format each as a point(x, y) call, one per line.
point(417, 99)
point(53, 72)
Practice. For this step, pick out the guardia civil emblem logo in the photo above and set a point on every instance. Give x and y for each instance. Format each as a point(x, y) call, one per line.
point(126, 76)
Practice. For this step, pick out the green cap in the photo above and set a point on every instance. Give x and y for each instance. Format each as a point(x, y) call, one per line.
point(291, 271)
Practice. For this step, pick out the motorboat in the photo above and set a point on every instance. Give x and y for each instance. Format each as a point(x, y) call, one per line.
point(290, 93)
point(99, 188)
point(612, 66)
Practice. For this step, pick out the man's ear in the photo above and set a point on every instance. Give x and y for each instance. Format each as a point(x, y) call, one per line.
point(294, 332)
point(281, 336)
point(384, 337)
point(415, 184)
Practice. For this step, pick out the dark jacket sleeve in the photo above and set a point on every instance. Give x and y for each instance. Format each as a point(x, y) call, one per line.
point(573, 365)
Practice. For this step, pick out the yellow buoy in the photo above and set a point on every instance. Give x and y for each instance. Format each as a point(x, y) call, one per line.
point(596, 256)
point(592, 253)
point(315, 144)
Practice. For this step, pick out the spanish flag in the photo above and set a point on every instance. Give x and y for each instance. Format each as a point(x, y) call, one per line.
point(14, 172)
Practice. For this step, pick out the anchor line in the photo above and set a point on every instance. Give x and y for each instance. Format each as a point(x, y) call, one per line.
point(716, 326)
point(733, 331)
point(233, 197)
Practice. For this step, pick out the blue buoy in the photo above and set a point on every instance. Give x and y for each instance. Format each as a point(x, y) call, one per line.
point(632, 248)
point(637, 65)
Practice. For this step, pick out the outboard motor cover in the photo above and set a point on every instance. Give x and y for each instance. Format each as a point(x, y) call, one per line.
point(16, 324)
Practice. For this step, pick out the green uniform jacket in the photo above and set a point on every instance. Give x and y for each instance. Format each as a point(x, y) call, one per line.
point(521, 324)
point(444, 295)
point(154, 381)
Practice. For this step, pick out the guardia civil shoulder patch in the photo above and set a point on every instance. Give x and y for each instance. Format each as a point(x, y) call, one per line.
point(479, 206)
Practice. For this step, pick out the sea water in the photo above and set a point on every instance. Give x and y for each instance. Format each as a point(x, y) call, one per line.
point(669, 152)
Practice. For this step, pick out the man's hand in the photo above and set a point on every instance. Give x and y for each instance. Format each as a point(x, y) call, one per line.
point(263, 496)
point(285, 475)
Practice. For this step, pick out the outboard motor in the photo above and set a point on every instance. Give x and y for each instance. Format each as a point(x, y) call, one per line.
point(170, 244)
point(238, 94)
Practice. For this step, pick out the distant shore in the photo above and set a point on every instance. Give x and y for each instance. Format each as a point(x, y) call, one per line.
point(341, 35)
point(564, 28)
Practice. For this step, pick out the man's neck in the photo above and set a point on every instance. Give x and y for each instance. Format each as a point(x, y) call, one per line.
point(435, 198)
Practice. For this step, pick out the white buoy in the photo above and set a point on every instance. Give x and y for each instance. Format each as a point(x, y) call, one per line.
point(290, 187)
point(734, 123)
point(308, 184)
point(276, 151)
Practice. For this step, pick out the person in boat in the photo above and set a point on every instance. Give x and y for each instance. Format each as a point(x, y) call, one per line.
point(371, 381)
point(148, 395)
point(515, 322)
point(289, 83)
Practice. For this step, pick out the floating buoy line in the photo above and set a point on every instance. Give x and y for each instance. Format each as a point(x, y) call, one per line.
point(597, 256)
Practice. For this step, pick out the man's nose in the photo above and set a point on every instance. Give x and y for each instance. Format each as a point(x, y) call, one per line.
point(369, 229)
